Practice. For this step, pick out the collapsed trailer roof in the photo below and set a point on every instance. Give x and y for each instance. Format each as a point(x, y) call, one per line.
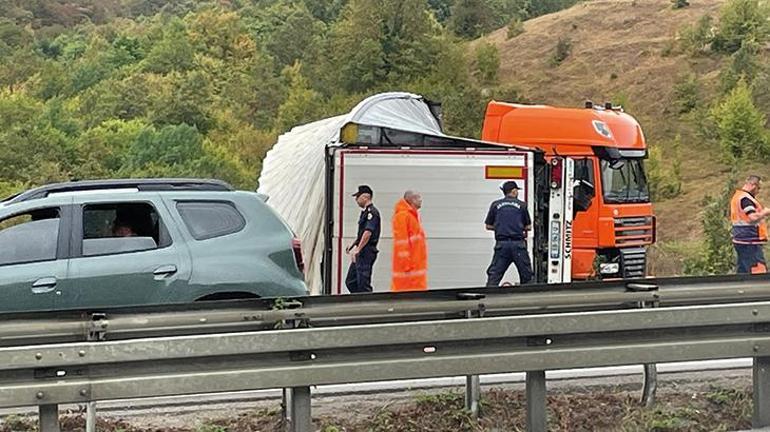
point(294, 170)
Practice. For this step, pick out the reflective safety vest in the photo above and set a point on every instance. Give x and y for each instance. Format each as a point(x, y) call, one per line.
point(410, 251)
point(745, 231)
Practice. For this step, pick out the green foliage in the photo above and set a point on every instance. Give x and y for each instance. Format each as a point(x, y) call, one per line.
point(561, 51)
point(487, 62)
point(743, 64)
point(740, 126)
point(697, 39)
point(716, 255)
point(515, 28)
point(185, 88)
point(742, 20)
point(686, 93)
point(665, 181)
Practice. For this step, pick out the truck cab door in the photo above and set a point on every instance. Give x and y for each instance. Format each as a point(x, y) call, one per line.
point(123, 255)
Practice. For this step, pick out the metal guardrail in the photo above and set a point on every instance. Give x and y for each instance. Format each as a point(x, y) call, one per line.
point(152, 352)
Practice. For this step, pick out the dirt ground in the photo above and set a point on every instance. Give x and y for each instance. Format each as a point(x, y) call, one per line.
point(704, 401)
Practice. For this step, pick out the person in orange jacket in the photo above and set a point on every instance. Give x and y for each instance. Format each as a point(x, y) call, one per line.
point(410, 251)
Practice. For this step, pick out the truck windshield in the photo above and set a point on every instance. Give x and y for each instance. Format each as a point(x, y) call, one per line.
point(624, 181)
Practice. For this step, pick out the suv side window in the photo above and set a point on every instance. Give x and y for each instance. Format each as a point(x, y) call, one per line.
point(210, 219)
point(122, 228)
point(29, 237)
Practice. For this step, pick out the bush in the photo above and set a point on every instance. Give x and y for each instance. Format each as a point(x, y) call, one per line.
point(665, 182)
point(697, 39)
point(740, 125)
point(487, 62)
point(562, 50)
point(686, 96)
point(716, 255)
point(743, 64)
point(741, 20)
point(515, 28)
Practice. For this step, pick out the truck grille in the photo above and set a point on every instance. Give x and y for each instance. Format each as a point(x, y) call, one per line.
point(634, 231)
point(633, 262)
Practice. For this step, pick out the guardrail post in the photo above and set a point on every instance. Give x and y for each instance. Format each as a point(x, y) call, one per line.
point(96, 332)
point(91, 416)
point(473, 382)
point(537, 420)
point(49, 418)
point(650, 384)
point(299, 414)
point(761, 378)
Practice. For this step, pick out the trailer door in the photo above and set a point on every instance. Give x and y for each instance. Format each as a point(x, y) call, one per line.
point(457, 188)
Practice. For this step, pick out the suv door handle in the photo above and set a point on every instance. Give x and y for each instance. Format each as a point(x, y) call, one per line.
point(44, 285)
point(165, 270)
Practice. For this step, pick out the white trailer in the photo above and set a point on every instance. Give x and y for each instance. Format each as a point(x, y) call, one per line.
point(393, 142)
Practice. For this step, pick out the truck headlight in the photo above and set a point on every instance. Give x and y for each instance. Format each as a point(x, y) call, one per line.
point(609, 268)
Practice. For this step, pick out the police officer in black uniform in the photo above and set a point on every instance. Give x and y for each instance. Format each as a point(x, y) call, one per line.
point(509, 219)
point(364, 249)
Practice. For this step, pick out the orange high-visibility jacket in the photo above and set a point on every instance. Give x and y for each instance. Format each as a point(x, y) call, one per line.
point(410, 251)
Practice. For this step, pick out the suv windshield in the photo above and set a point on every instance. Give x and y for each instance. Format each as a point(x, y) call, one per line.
point(623, 181)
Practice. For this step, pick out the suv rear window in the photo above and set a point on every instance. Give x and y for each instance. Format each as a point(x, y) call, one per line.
point(29, 237)
point(209, 219)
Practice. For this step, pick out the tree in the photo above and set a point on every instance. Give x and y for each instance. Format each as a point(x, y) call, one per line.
point(301, 105)
point(296, 38)
point(741, 20)
point(470, 18)
point(173, 52)
point(740, 125)
point(487, 62)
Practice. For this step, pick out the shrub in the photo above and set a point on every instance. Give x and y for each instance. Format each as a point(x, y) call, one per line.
point(698, 38)
point(665, 181)
point(562, 50)
point(716, 255)
point(743, 64)
point(487, 62)
point(740, 125)
point(741, 20)
point(515, 28)
point(686, 95)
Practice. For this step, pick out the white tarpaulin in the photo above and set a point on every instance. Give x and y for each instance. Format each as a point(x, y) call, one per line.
point(293, 171)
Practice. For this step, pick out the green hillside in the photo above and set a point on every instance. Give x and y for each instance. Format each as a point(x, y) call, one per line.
point(119, 88)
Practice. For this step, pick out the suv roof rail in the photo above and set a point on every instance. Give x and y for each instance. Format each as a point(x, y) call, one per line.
point(160, 184)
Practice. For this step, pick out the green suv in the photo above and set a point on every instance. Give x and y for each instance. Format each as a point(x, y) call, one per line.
point(91, 244)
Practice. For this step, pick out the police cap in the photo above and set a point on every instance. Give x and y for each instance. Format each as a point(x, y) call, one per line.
point(363, 189)
point(508, 186)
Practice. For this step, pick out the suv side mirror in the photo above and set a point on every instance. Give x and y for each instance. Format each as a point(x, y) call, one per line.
point(584, 194)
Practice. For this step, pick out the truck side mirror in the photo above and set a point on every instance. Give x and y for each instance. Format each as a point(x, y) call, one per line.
point(584, 193)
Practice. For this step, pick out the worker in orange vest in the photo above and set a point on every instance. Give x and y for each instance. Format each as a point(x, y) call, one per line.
point(749, 230)
point(410, 251)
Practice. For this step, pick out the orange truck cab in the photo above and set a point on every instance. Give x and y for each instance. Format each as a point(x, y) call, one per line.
point(613, 220)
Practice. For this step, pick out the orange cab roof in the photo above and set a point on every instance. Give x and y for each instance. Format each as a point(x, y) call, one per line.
point(546, 125)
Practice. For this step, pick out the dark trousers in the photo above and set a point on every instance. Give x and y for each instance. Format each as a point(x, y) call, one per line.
point(359, 278)
point(751, 258)
point(507, 252)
